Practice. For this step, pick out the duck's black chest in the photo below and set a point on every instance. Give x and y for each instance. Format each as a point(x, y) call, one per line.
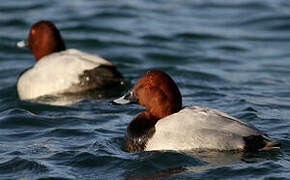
point(136, 141)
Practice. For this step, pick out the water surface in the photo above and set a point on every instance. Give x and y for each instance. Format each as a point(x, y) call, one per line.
point(229, 55)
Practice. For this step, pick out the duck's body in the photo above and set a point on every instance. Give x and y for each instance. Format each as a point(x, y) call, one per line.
point(58, 70)
point(67, 71)
point(197, 127)
point(167, 126)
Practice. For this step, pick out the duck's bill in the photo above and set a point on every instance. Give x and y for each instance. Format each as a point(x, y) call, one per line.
point(128, 98)
point(121, 100)
point(22, 44)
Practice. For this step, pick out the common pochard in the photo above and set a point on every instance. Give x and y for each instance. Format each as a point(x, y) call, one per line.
point(58, 70)
point(166, 125)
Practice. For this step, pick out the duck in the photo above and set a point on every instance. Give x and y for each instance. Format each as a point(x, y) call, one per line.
point(59, 70)
point(166, 125)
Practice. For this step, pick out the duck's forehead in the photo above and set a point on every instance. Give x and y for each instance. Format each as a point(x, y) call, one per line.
point(145, 81)
point(40, 26)
point(139, 84)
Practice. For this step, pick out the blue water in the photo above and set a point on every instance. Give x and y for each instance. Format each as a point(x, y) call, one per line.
point(229, 55)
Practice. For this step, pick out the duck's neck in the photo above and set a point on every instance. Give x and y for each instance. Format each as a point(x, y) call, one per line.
point(42, 50)
point(161, 110)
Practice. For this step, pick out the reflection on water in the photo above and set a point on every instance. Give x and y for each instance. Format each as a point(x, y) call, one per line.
point(206, 160)
point(69, 99)
point(214, 159)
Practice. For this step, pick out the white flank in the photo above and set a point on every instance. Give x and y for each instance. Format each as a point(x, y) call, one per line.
point(56, 73)
point(200, 127)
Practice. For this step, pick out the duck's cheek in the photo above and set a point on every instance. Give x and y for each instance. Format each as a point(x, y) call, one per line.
point(141, 102)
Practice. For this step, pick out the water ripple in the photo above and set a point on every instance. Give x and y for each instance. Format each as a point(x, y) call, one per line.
point(229, 55)
point(20, 165)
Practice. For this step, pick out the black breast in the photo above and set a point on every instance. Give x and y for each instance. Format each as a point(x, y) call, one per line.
point(136, 141)
point(139, 131)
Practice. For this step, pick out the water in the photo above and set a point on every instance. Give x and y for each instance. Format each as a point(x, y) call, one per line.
point(230, 55)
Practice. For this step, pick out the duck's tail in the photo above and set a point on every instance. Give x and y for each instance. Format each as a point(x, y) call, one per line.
point(270, 145)
point(258, 143)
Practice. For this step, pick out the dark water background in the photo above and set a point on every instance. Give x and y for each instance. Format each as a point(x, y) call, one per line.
point(230, 55)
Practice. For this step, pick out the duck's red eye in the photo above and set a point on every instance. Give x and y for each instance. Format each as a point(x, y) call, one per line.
point(148, 85)
point(32, 31)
